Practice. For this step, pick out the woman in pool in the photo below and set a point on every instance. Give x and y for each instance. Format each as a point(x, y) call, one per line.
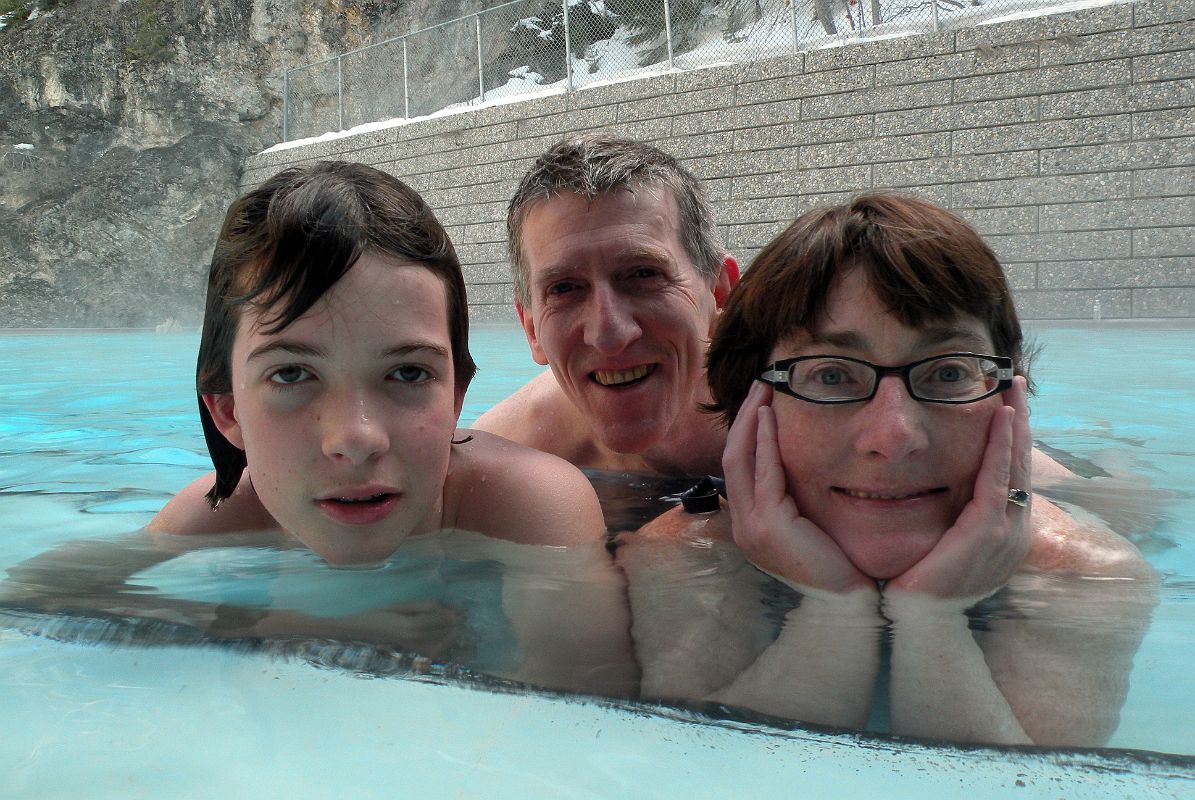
point(878, 463)
point(332, 368)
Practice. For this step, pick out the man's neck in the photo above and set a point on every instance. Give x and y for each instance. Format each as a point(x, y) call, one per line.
point(693, 448)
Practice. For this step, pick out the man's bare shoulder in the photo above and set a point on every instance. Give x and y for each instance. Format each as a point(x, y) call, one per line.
point(540, 416)
point(510, 491)
point(1066, 543)
point(189, 513)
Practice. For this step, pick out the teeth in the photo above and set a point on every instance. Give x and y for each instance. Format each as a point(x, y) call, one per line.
point(371, 499)
point(613, 377)
point(873, 496)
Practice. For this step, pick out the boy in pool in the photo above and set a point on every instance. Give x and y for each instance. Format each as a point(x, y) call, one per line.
point(878, 464)
point(332, 368)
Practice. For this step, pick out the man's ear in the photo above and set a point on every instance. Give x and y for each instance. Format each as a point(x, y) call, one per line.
point(528, 323)
point(223, 411)
point(727, 277)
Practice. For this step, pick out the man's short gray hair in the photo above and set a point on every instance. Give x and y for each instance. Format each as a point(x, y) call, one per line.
point(595, 164)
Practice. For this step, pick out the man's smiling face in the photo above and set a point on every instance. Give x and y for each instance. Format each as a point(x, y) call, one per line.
point(619, 311)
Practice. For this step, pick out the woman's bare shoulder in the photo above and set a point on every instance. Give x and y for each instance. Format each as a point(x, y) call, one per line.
point(1072, 542)
point(509, 491)
point(189, 513)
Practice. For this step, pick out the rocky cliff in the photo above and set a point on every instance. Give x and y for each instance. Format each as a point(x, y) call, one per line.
point(123, 126)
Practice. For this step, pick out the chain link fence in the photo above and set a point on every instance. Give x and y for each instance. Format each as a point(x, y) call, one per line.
point(528, 46)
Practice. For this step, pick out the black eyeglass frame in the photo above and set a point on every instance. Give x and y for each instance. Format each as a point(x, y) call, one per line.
point(776, 374)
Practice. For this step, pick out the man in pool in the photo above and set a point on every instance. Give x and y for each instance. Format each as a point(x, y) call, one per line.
point(879, 465)
point(619, 276)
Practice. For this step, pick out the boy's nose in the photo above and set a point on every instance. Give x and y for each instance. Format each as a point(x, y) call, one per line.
point(354, 433)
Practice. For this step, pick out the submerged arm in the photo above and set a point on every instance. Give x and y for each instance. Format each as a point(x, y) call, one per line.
point(563, 595)
point(1063, 653)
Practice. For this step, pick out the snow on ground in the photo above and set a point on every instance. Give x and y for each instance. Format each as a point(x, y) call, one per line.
point(615, 60)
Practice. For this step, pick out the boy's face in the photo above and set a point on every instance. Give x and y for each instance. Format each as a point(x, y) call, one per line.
point(619, 311)
point(345, 415)
point(887, 477)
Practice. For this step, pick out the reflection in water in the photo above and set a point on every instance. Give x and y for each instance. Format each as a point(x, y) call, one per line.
point(1046, 660)
point(451, 603)
point(708, 626)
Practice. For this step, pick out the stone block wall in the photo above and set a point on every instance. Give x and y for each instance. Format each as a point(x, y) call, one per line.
point(1068, 140)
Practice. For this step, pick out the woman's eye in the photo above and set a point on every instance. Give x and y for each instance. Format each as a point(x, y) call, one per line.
point(831, 377)
point(949, 374)
point(953, 372)
point(411, 374)
point(289, 374)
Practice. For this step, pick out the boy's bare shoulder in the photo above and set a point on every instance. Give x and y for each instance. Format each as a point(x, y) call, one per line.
point(511, 491)
point(1063, 542)
point(189, 513)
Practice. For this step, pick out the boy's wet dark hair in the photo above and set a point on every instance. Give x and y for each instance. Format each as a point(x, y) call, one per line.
point(924, 263)
point(286, 243)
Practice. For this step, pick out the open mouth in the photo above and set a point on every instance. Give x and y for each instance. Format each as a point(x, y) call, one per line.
point(373, 498)
point(888, 496)
point(362, 510)
point(623, 377)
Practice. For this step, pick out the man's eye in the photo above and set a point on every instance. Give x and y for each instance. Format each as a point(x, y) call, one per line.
point(289, 374)
point(409, 373)
point(560, 288)
point(646, 273)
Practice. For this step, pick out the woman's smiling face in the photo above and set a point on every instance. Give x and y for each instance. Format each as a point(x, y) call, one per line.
point(345, 415)
point(887, 477)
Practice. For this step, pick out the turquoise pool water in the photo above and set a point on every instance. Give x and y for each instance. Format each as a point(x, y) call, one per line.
point(97, 430)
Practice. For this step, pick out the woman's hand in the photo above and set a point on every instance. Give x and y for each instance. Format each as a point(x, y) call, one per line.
point(989, 540)
point(767, 525)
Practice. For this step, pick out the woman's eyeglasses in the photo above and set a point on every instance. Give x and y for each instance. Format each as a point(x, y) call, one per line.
point(949, 378)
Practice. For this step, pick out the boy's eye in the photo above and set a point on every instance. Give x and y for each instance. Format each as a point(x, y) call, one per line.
point(408, 373)
point(289, 374)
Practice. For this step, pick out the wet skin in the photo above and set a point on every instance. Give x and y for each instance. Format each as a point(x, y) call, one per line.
point(620, 314)
point(345, 415)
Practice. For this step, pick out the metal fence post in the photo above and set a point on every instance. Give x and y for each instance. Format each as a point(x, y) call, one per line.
point(340, 88)
point(934, 5)
point(406, 86)
point(480, 79)
point(285, 104)
point(792, 21)
point(568, 52)
point(668, 30)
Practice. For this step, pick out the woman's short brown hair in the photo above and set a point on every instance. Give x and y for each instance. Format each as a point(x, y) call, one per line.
point(924, 263)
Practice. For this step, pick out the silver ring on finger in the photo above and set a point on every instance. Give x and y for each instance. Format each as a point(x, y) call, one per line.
point(1018, 497)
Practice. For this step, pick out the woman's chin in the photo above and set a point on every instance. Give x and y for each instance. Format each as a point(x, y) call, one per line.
point(892, 557)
